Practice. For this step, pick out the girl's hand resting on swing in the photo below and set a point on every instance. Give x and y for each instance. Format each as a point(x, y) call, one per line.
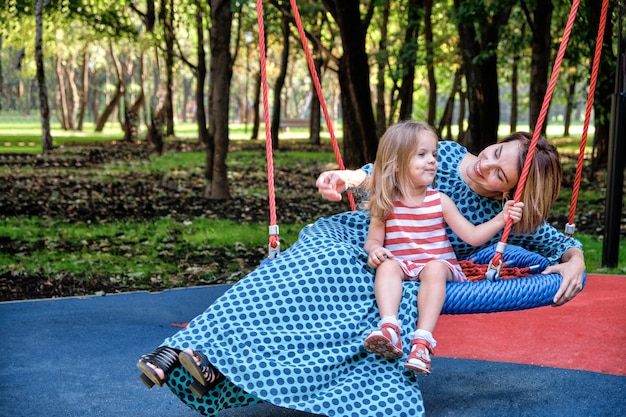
point(377, 256)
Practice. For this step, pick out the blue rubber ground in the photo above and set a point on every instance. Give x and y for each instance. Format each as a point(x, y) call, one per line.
point(76, 357)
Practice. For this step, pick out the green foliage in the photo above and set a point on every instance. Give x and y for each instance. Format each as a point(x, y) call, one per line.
point(593, 247)
point(110, 18)
point(144, 238)
point(186, 250)
point(133, 251)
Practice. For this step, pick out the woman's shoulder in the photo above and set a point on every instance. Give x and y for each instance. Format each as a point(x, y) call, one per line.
point(451, 150)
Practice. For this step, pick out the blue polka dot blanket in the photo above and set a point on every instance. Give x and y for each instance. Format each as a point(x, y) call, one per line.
point(291, 333)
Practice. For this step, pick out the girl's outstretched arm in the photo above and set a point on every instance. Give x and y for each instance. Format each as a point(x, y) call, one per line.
point(477, 235)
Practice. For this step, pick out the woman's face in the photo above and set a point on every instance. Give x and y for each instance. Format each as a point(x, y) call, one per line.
point(495, 172)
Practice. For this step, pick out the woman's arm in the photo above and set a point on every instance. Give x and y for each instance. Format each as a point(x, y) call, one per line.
point(564, 253)
point(331, 184)
point(571, 269)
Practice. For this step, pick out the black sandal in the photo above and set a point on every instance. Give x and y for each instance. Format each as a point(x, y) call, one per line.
point(206, 375)
point(165, 358)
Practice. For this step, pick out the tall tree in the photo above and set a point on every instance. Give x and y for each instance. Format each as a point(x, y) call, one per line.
point(200, 73)
point(605, 88)
point(166, 16)
point(539, 23)
point(382, 60)
point(280, 81)
point(320, 63)
point(199, 70)
point(517, 43)
point(446, 118)
point(120, 90)
point(84, 91)
point(315, 14)
point(46, 137)
point(430, 64)
point(220, 74)
point(359, 128)
point(3, 93)
point(479, 24)
point(408, 57)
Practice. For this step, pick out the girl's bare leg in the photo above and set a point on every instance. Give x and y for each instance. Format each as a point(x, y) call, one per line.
point(430, 299)
point(432, 294)
point(388, 288)
point(386, 340)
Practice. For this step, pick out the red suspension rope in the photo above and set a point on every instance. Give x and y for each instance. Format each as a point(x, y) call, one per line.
point(569, 229)
point(318, 90)
point(274, 241)
point(497, 258)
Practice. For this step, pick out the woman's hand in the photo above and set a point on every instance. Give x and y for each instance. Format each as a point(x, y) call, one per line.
point(571, 269)
point(330, 184)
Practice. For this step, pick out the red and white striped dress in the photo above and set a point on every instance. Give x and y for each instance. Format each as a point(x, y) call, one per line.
point(417, 235)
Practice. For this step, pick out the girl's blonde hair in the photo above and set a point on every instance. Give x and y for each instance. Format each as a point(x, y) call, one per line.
point(390, 176)
point(543, 183)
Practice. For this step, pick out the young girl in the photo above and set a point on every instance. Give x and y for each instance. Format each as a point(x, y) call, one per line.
point(407, 239)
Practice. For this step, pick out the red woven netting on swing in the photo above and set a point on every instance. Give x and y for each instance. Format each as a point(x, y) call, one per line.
point(477, 272)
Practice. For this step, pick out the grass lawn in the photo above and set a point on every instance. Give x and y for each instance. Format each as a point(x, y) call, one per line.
point(170, 250)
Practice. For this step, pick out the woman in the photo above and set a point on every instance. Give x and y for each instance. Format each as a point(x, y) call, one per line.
point(483, 176)
point(291, 332)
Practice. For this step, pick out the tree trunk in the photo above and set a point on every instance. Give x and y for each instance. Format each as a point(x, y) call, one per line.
point(119, 93)
point(93, 100)
point(150, 16)
point(203, 131)
point(408, 56)
point(514, 93)
point(359, 128)
point(280, 82)
point(430, 57)
point(540, 60)
point(316, 113)
point(446, 118)
point(319, 64)
point(479, 43)
point(186, 93)
point(70, 76)
point(155, 129)
point(63, 107)
point(256, 105)
point(131, 116)
point(605, 88)
point(570, 102)
point(461, 120)
point(167, 19)
point(84, 91)
point(142, 87)
point(382, 62)
point(46, 137)
point(221, 70)
point(3, 93)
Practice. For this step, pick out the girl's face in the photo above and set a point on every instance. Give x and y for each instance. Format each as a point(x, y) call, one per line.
point(423, 163)
point(496, 169)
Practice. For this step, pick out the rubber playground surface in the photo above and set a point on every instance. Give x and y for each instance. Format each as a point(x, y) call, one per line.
point(76, 357)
